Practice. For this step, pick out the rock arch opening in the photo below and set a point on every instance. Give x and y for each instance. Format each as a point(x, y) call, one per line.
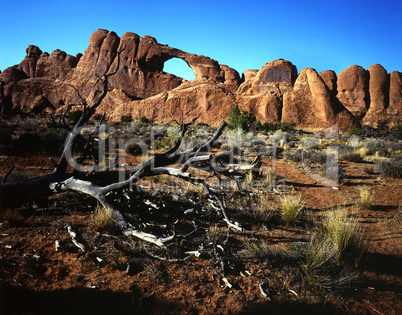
point(179, 68)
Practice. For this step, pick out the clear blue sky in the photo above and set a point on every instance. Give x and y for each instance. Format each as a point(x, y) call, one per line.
point(241, 34)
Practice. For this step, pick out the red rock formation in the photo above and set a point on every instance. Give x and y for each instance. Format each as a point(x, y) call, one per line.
point(394, 110)
point(276, 76)
point(42, 82)
point(330, 80)
point(353, 90)
point(310, 105)
point(28, 65)
point(378, 94)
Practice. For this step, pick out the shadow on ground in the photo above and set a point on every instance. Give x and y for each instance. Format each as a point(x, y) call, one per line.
point(79, 301)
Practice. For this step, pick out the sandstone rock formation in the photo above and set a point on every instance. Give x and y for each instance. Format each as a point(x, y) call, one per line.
point(276, 92)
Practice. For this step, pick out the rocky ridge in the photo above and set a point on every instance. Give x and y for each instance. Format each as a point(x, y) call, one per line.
point(314, 101)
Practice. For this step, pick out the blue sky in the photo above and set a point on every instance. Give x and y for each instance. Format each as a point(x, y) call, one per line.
point(241, 34)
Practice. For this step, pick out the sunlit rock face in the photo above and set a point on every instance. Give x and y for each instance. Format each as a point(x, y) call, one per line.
point(44, 82)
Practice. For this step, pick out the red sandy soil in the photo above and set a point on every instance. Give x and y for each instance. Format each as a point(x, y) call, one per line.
point(35, 279)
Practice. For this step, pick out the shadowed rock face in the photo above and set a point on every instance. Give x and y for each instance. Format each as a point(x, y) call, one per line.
point(42, 83)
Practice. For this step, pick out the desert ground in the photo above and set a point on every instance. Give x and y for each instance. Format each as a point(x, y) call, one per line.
point(275, 264)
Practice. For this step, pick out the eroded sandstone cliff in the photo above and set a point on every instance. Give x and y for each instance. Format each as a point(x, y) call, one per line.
point(276, 92)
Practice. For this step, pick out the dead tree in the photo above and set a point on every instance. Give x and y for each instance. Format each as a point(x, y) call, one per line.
point(101, 184)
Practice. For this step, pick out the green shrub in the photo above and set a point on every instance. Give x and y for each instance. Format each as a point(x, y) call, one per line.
point(364, 131)
point(126, 118)
point(74, 116)
point(144, 120)
point(242, 119)
point(382, 127)
point(271, 126)
point(287, 126)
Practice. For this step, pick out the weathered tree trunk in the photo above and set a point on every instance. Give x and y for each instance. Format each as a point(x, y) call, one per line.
point(99, 184)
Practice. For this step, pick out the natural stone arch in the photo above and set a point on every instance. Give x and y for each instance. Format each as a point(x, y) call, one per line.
point(180, 68)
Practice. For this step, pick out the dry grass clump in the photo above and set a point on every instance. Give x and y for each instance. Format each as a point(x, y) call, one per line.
point(263, 252)
point(345, 234)
point(395, 223)
point(9, 217)
point(366, 198)
point(270, 177)
point(195, 190)
point(291, 207)
point(261, 212)
point(320, 265)
point(249, 178)
point(215, 233)
point(103, 220)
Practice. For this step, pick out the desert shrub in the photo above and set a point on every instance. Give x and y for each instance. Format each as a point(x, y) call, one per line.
point(382, 127)
point(235, 140)
point(279, 137)
point(392, 168)
point(74, 116)
point(135, 149)
point(271, 126)
point(258, 146)
point(364, 131)
point(167, 141)
point(126, 118)
point(397, 132)
point(201, 124)
point(291, 207)
point(306, 157)
point(351, 156)
point(144, 120)
point(242, 119)
point(310, 143)
point(287, 126)
point(366, 198)
point(374, 145)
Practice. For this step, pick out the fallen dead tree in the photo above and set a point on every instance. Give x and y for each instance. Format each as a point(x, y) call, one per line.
point(106, 186)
